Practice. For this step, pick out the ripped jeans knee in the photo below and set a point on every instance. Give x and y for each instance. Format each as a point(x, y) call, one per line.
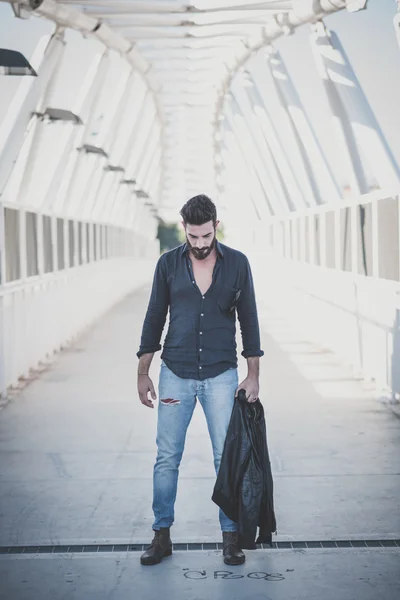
point(170, 401)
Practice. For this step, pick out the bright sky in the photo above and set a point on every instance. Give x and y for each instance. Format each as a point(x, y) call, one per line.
point(368, 38)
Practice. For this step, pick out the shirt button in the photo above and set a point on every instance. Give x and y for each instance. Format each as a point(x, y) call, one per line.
point(201, 349)
point(200, 367)
point(202, 315)
point(193, 282)
point(203, 297)
point(201, 333)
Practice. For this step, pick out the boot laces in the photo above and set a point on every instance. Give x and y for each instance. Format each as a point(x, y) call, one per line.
point(231, 544)
point(158, 538)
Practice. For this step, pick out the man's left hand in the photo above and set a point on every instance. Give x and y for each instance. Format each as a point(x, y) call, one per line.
point(252, 388)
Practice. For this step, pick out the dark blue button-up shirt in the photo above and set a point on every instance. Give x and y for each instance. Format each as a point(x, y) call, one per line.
point(201, 338)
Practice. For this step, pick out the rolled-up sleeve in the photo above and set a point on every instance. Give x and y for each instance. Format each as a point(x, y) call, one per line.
point(247, 314)
point(156, 312)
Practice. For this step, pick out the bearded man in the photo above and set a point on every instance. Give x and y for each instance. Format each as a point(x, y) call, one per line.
point(203, 284)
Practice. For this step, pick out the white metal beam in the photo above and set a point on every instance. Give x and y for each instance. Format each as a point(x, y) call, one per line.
point(359, 129)
point(29, 94)
point(307, 157)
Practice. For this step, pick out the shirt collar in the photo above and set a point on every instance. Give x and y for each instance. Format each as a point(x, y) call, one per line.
point(218, 247)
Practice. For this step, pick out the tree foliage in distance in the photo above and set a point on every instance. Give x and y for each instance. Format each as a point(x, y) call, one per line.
point(170, 236)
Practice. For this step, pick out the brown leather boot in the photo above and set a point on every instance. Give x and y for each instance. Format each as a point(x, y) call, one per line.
point(160, 547)
point(233, 555)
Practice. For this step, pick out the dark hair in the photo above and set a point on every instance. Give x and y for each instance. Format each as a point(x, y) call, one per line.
point(199, 210)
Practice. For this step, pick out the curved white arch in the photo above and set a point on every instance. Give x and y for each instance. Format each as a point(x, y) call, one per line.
point(187, 53)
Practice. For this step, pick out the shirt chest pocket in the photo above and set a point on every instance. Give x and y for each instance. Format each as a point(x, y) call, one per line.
point(227, 299)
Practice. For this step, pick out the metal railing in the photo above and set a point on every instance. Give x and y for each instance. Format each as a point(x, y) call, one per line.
point(44, 309)
point(333, 272)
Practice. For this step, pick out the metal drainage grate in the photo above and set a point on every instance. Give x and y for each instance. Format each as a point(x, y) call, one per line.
point(93, 548)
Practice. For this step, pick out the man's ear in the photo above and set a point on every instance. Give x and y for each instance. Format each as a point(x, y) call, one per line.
point(216, 224)
point(183, 224)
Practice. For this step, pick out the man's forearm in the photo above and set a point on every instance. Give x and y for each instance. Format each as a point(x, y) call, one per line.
point(253, 366)
point(144, 363)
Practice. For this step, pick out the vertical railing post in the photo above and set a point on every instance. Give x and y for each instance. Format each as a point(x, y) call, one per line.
point(354, 238)
point(311, 237)
point(3, 374)
point(287, 245)
point(295, 241)
point(302, 256)
point(3, 276)
point(322, 238)
point(337, 238)
point(375, 237)
point(40, 245)
point(398, 237)
point(54, 242)
point(22, 245)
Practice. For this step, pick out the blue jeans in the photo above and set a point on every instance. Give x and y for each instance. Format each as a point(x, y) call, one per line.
point(177, 399)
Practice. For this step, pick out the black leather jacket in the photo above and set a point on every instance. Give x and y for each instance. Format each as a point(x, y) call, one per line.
point(244, 486)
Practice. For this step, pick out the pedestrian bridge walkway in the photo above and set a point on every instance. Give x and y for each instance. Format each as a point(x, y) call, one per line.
point(112, 115)
point(76, 456)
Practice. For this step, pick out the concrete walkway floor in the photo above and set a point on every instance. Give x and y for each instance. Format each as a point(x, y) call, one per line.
point(76, 456)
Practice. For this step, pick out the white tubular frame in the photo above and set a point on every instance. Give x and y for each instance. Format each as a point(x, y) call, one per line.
point(334, 304)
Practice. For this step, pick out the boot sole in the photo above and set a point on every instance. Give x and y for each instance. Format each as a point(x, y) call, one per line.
point(147, 562)
point(235, 563)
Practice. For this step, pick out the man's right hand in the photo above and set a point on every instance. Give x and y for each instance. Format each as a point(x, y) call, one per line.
point(145, 385)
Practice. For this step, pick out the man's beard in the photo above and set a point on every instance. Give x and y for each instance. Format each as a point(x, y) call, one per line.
point(201, 254)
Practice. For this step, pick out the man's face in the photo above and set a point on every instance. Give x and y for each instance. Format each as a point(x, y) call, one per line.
point(201, 239)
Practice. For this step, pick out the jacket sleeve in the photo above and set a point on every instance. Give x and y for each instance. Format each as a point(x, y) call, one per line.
point(156, 312)
point(247, 314)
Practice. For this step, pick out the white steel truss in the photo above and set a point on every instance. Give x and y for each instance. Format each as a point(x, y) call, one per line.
point(188, 53)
